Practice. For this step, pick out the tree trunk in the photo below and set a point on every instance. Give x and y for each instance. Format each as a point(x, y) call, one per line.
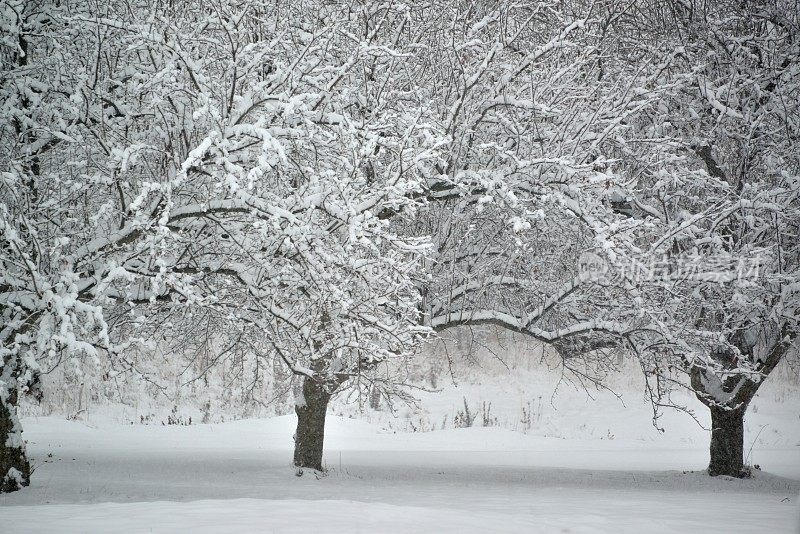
point(727, 442)
point(15, 470)
point(310, 435)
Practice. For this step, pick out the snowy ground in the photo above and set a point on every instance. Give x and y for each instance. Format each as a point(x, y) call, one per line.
point(578, 465)
point(236, 476)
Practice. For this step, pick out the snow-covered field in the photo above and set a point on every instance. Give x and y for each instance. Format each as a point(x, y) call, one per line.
point(583, 466)
point(236, 477)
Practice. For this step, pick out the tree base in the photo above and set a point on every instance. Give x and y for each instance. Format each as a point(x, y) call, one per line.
point(15, 479)
point(15, 469)
point(305, 471)
point(744, 473)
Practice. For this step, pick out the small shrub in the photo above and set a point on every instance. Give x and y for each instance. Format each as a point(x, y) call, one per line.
point(486, 415)
point(465, 418)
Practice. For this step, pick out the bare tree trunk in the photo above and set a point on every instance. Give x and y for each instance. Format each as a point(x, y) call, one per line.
point(15, 470)
point(727, 442)
point(310, 435)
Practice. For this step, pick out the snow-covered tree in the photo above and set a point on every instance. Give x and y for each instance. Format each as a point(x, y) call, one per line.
point(666, 136)
point(713, 172)
point(223, 158)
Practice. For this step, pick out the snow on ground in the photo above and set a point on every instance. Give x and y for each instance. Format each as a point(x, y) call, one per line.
point(236, 476)
point(578, 465)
